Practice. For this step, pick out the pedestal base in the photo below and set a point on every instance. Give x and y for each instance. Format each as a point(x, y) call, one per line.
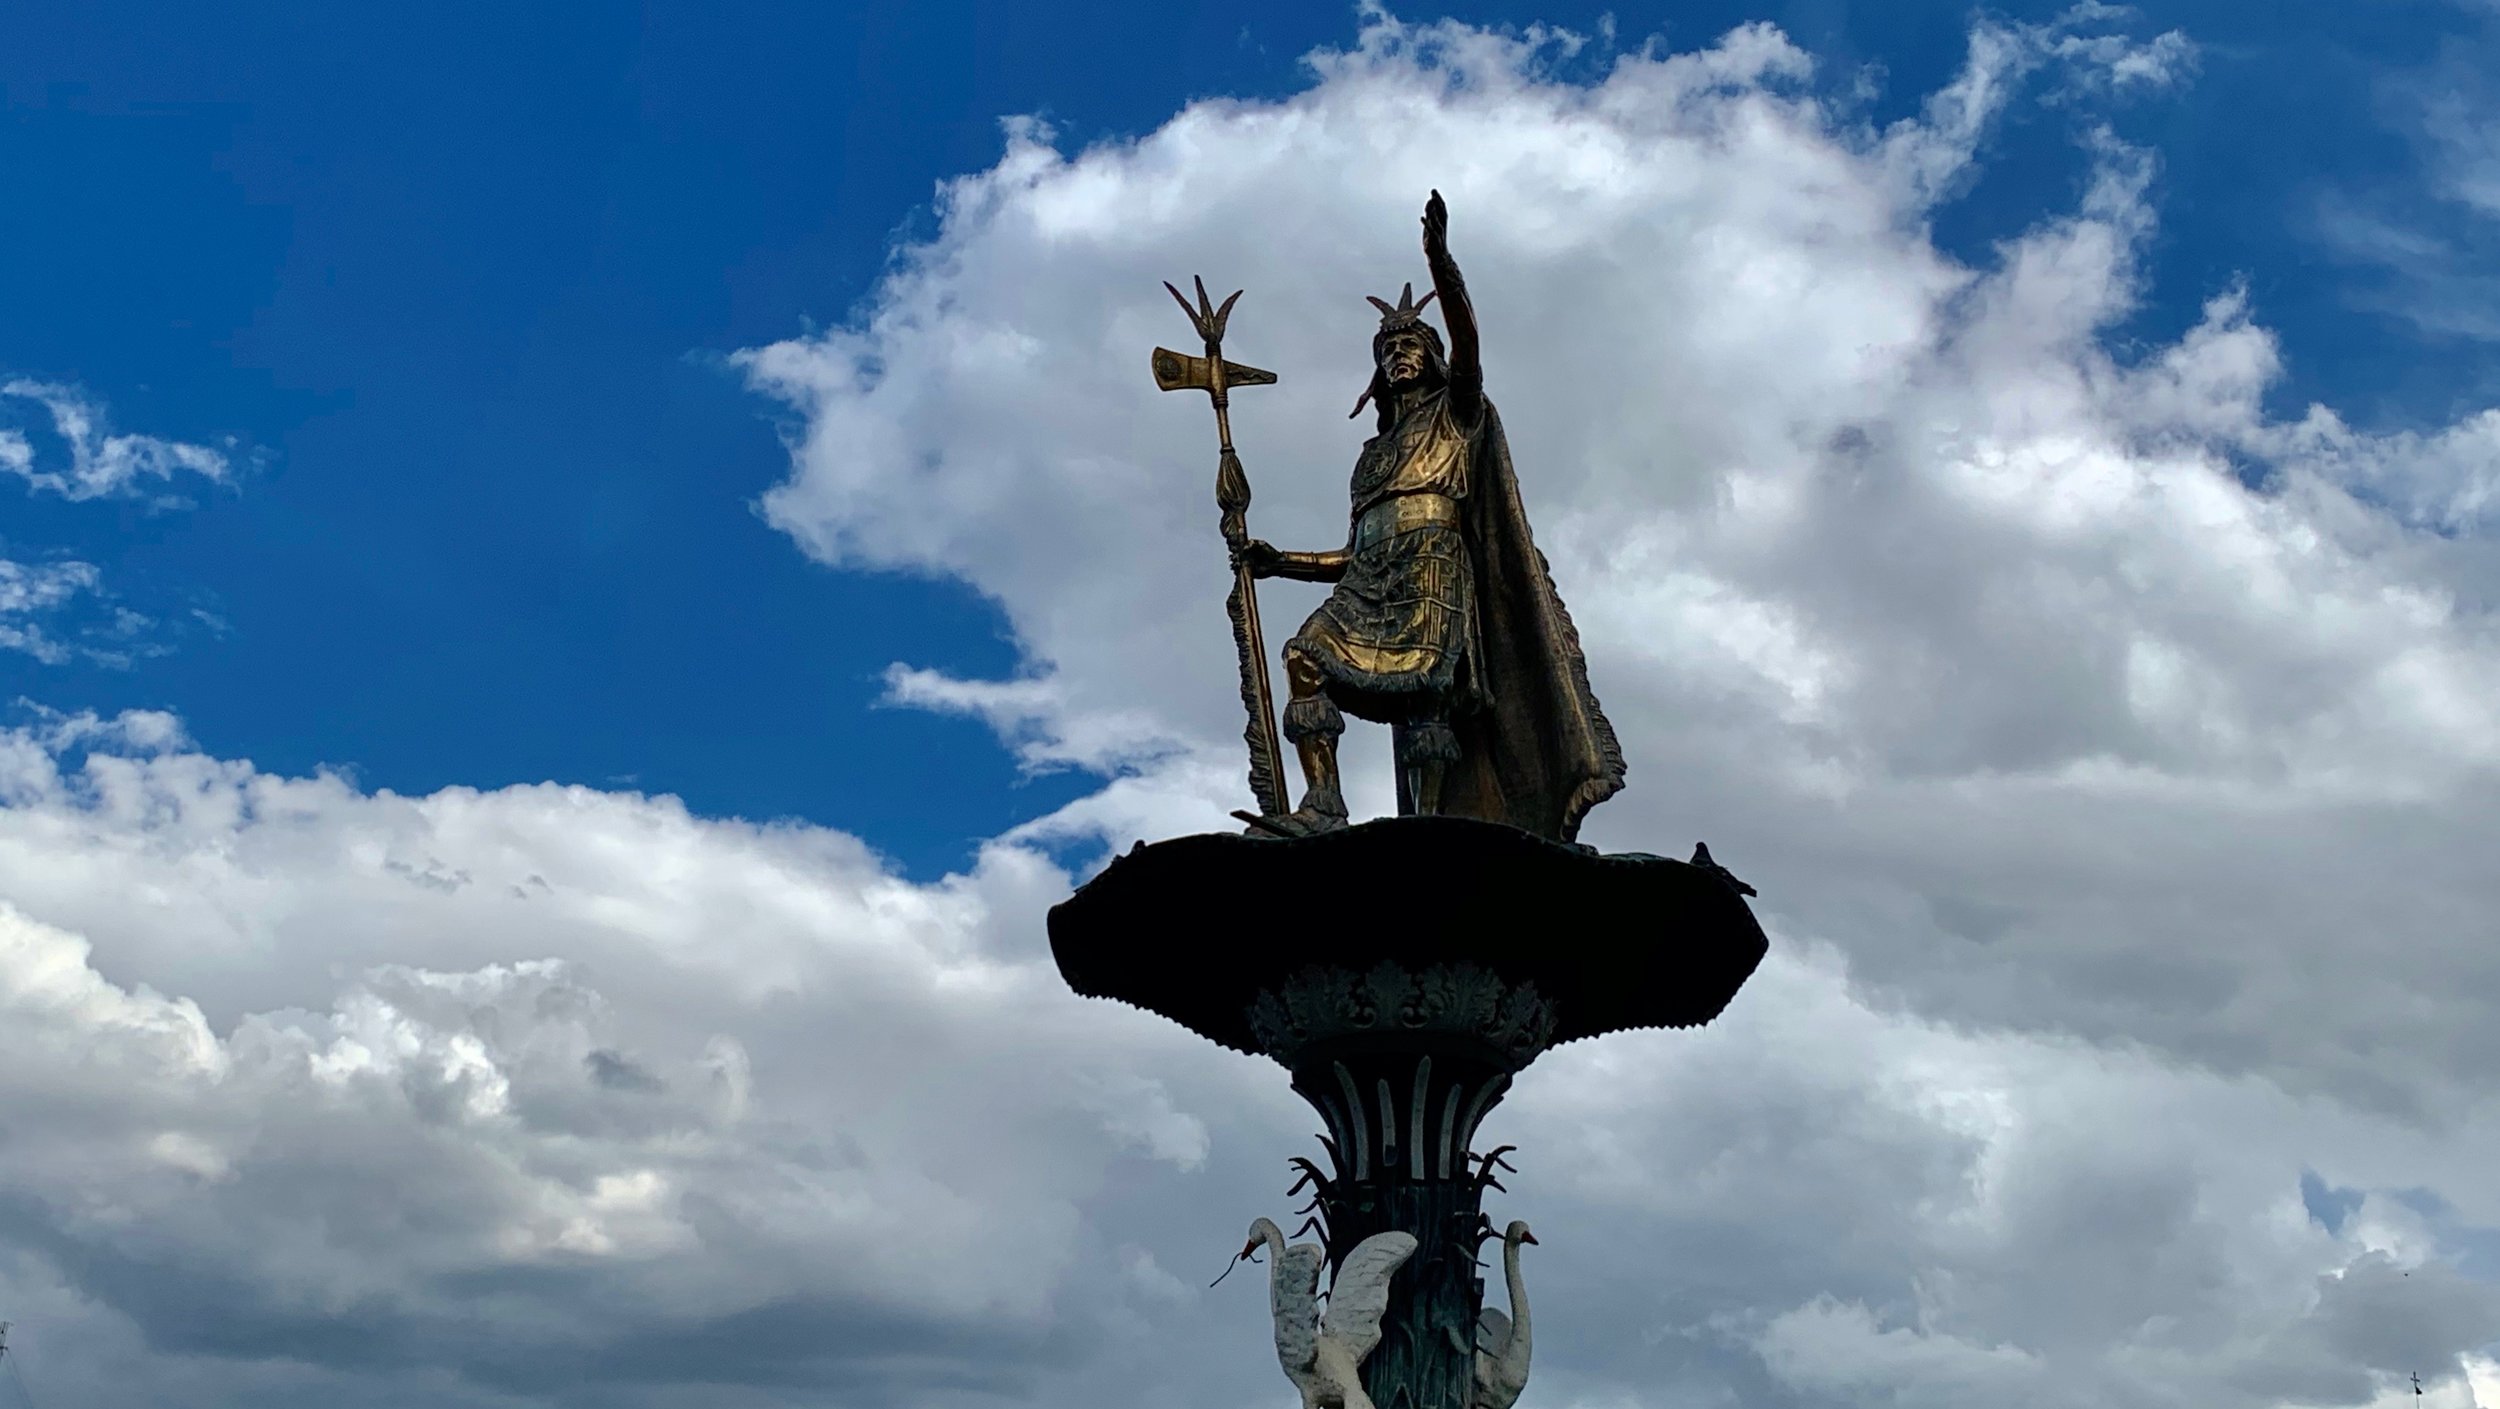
point(1404, 971)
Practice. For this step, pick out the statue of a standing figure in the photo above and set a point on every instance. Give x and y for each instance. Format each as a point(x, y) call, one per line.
point(1444, 622)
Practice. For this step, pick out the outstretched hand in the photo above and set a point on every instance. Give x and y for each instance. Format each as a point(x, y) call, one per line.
point(1436, 227)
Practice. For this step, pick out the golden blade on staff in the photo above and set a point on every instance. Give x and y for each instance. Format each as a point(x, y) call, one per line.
point(1216, 377)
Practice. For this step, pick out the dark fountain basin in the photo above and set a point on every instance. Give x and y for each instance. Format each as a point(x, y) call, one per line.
point(1197, 928)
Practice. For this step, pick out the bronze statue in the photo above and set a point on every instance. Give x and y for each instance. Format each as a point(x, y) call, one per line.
point(1444, 623)
point(1448, 950)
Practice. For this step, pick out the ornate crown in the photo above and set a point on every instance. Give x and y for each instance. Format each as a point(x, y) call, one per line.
point(1408, 312)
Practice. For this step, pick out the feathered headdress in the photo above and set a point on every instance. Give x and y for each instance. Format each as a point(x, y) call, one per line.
point(1408, 313)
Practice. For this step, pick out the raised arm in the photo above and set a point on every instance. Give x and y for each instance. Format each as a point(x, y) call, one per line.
point(1466, 366)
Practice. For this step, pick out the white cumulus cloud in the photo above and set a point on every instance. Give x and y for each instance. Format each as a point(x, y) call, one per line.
point(2115, 760)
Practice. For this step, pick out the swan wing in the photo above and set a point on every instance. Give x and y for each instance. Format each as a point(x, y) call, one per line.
point(1501, 1375)
point(1293, 1294)
point(1361, 1293)
point(1493, 1332)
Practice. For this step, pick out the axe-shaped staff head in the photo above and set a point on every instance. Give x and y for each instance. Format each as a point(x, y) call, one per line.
point(1178, 371)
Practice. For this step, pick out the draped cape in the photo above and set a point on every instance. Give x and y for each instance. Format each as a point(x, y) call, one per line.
point(1539, 753)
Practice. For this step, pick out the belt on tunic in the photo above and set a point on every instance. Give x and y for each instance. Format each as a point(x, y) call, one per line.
point(1404, 513)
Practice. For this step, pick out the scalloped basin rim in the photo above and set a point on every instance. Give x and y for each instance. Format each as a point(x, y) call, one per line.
point(1195, 927)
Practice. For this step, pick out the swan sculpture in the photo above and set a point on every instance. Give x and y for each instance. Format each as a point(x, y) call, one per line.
point(1323, 1356)
point(1502, 1341)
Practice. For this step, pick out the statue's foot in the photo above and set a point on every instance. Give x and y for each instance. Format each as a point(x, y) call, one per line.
point(1313, 820)
point(1301, 822)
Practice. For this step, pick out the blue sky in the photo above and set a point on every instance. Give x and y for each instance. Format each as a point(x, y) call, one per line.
point(575, 580)
point(459, 280)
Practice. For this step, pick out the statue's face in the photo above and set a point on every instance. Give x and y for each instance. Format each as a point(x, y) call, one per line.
point(1404, 356)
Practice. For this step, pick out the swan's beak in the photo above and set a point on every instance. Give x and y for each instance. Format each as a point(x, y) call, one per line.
point(1527, 1237)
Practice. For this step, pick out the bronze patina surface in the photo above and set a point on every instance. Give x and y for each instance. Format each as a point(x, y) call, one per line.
point(1216, 377)
point(1442, 620)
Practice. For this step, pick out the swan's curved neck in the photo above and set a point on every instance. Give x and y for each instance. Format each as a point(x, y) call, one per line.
point(1518, 1292)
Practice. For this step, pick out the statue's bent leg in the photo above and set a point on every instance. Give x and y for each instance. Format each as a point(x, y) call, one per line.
point(1426, 749)
point(1313, 723)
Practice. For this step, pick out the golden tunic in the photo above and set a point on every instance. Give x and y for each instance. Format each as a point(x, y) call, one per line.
point(1393, 635)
